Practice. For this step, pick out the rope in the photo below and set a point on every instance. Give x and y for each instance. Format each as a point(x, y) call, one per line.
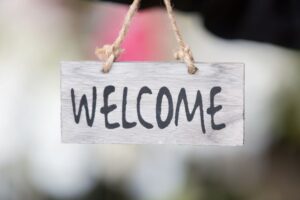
point(109, 53)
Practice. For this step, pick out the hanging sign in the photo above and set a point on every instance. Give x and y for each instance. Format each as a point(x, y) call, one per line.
point(152, 103)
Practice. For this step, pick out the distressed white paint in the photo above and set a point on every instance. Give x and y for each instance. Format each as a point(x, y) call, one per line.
point(82, 76)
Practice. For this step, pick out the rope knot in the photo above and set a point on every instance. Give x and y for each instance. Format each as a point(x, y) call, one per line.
point(185, 54)
point(108, 54)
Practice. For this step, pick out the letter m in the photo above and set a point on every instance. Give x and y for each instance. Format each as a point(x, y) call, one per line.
point(190, 115)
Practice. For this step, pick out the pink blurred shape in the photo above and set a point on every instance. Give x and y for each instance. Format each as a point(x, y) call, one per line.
point(146, 38)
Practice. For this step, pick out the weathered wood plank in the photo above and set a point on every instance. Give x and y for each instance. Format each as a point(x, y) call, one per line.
point(225, 80)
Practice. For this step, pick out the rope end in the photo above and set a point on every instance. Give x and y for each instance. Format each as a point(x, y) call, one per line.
point(193, 69)
point(108, 54)
point(185, 55)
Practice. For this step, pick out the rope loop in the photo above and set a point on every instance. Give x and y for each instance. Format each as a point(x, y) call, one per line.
point(109, 53)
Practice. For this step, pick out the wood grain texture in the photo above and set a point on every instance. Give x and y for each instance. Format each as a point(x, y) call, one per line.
point(82, 76)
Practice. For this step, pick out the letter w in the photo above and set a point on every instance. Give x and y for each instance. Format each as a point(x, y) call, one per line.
point(83, 103)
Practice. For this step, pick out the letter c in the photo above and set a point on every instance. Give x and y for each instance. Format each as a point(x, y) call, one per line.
point(143, 90)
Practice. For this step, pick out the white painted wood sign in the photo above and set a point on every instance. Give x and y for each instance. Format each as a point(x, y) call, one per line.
point(152, 103)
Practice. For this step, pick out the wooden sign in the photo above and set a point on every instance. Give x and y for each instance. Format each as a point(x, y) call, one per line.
point(152, 103)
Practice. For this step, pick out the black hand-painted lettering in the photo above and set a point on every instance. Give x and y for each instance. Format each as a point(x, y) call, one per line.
point(190, 115)
point(164, 91)
point(143, 90)
point(108, 108)
point(213, 109)
point(125, 123)
point(83, 103)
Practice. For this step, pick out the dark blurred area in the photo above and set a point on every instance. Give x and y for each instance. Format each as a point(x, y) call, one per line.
point(36, 35)
point(272, 21)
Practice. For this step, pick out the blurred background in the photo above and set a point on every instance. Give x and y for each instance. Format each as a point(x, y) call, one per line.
point(35, 35)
